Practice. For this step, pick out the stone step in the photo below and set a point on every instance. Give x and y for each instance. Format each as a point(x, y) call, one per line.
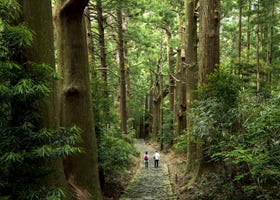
point(151, 183)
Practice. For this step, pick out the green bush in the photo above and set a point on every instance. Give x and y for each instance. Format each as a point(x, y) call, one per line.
point(116, 153)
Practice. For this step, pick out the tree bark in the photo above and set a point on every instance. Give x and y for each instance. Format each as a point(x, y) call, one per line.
point(249, 31)
point(38, 16)
point(182, 86)
point(258, 78)
point(171, 83)
point(240, 31)
point(103, 59)
point(192, 71)
point(81, 170)
point(209, 19)
point(123, 111)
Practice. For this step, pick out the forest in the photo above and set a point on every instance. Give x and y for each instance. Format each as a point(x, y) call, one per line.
point(82, 80)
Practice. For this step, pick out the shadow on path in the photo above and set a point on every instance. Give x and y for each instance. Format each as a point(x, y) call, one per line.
point(151, 183)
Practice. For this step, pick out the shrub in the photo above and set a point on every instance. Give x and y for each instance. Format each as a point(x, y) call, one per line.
point(116, 152)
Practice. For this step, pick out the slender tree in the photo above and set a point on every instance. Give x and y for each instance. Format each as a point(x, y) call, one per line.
point(182, 72)
point(75, 99)
point(171, 81)
point(240, 30)
point(121, 53)
point(102, 49)
point(249, 30)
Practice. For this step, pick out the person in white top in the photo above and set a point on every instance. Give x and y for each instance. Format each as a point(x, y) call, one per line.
point(156, 159)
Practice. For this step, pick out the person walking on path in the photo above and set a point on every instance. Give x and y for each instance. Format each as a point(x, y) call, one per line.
point(156, 159)
point(146, 159)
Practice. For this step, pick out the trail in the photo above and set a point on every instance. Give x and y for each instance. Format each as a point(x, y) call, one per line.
point(151, 183)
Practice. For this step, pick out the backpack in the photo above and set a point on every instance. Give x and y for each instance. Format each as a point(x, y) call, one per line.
point(146, 157)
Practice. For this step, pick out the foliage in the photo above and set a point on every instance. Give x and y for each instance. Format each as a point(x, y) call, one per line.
point(242, 134)
point(182, 143)
point(213, 116)
point(115, 151)
point(26, 150)
point(250, 158)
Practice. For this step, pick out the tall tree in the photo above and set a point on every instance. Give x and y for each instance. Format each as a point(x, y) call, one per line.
point(192, 68)
point(171, 67)
point(182, 71)
point(209, 47)
point(103, 54)
point(38, 16)
point(209, 23)
point(122, 69)
point(240, 30)
point(75, 98)
point(249, 30)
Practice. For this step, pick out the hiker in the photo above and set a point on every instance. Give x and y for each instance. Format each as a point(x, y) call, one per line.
point(146, 159)
point(156, 159)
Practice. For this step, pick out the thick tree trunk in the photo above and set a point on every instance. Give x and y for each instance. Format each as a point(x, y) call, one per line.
point(76, 105)
point(38, 16)
point(123, 111)
point(156, 127)
point(192, 71)
point(209, 19)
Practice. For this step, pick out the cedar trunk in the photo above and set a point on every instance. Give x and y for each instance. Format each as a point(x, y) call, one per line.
point(182, 87)
point(38, 16)
point(192, 72)
point(81, 170)
point(249, 30)
point(171, 83)
point(209, 18)
point(103, 60)
point(123, 112)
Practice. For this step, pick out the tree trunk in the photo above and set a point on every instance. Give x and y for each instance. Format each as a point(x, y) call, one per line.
point(209, 54)
point(90, 44)
point(182, 87)
point(209, 19)
point(249, 31)
point(171, 83)
point(258, 51)
point(38, 16)
point(123, 111)
point(81, 170)
point(192, 71)
point(270, 43)
point(103, 60)
point(156, 127)
point(240, 31)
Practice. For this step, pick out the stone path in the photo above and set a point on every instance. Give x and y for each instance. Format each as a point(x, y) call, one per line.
point(151, 183)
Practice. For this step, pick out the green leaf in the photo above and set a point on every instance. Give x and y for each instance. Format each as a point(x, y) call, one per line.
point(11, 157)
